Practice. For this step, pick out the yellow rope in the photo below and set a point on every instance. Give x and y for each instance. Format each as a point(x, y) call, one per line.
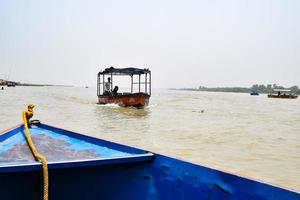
point(37, 155)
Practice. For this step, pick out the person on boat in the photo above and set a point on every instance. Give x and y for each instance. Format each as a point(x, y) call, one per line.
point(115, 90)
point(107, 90)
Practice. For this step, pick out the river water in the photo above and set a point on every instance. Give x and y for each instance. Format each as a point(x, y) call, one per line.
point(253, 136)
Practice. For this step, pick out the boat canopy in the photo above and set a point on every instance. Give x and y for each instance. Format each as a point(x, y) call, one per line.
point(282, 90)
point(143, 82)
point(124, 71)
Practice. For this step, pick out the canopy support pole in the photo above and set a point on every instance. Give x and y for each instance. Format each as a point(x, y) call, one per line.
point(103, 83)
point(139, 83)
point(131, 83)
point(146, 83)
point(150, 83)
point(111, 82)
point(98, 85)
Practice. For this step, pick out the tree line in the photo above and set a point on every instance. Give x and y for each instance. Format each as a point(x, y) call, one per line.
point(269, 88)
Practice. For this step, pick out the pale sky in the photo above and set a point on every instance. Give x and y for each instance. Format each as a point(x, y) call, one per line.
point(185, 43)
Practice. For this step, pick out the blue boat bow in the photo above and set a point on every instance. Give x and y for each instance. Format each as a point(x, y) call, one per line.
point(83, 167)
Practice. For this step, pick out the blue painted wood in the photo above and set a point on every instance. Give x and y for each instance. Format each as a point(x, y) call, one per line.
point(10, 133)
point(93, 140)
point(103, 152)
point(140, 175)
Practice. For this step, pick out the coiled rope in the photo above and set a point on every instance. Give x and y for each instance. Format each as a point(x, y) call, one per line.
point(36, 154)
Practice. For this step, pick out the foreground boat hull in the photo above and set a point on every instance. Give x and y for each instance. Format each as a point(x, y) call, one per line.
point(147, 176)
point(135, 99)
point(138, 181)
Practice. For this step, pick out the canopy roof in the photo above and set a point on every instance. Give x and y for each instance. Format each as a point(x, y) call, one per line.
point(282, 90)
point(124, 71)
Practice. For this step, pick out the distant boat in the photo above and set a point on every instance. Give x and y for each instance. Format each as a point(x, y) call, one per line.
point(86, 86)
point(10, 84)
point(254, 93)
point(282, 94)
point(83, 167)
point(138, 98)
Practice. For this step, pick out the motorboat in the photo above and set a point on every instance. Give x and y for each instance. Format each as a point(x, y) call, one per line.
point(135, 98)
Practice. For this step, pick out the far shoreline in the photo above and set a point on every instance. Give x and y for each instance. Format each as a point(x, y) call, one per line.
point(44, 85)
point(262, 89)
point(14, 83)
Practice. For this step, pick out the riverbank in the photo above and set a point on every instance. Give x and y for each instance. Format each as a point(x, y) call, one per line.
point(14, 83)
point(255, 88)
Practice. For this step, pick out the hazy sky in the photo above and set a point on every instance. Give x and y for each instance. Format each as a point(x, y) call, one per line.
point(185, 43)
